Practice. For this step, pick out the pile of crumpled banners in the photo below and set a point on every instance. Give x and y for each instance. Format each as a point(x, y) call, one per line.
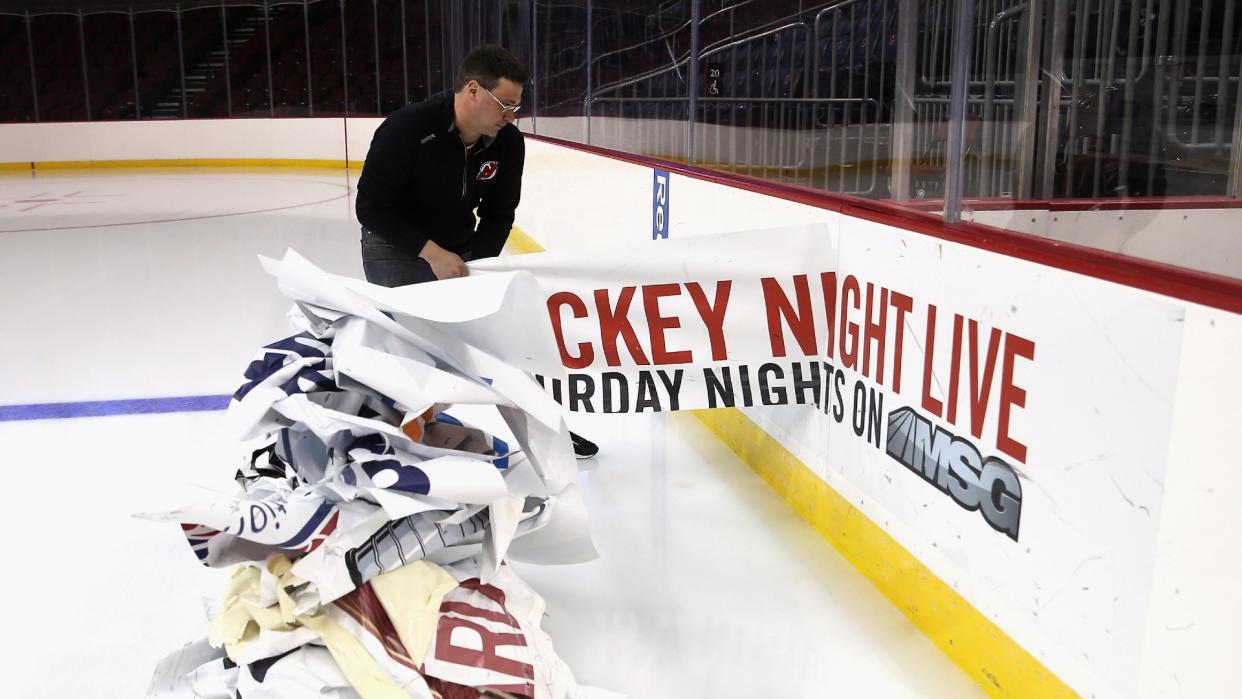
point(369, 532)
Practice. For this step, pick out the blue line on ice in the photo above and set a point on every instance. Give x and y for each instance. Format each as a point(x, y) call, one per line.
point(97, 408)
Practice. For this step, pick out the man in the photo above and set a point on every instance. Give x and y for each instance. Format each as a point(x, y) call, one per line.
point(432, 165)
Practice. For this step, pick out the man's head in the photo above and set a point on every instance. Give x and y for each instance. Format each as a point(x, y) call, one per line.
point(488, 89)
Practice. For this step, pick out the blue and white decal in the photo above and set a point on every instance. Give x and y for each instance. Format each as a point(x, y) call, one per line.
point(659, 205)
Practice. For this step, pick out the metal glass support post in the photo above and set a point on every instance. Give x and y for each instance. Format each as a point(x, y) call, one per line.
point(267, 49)
point(185, 108)
point(379, 109)
point(534, 66)
point(1050, 103)
point(1235, 153)
point(310, 92)
point(1028, 99)
point(86, 79)
point(405, 62)
point(345, 60)
point(1164, 92)
point(450, 41)
point(34, 81)
point(1127, 116)
point(962, 38)
point(1223, 76)
point(590, 70)
point(224, 44)
point(692, 80)
point(133, 55)
point(903, 98)
point(427, 43)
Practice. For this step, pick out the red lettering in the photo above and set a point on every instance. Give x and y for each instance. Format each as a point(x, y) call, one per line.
point(874, 332)
point(488, 641)
point(801, 323)
point(904, 304)
point(1011, 395)
point(713, 315)
point(849, 331)
point(586, 355)
point(616, 321)
point(828, 280)
point(955, 368)
point(979, 395)
point(657, 324)
point(476, 644)
point(930, 404)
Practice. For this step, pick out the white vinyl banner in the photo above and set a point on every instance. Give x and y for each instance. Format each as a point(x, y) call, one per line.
point(963, 391)
point(1006, 421)
point(685, 325)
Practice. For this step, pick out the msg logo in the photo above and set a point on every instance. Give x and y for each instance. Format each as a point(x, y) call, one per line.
point(956, 468)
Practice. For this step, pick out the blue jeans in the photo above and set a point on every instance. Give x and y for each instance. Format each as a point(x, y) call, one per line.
point(386, 265)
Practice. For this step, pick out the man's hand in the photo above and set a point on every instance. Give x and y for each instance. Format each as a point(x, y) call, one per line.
point(445, 264)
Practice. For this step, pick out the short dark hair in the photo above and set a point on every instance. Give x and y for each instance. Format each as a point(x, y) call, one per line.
point(488, 64)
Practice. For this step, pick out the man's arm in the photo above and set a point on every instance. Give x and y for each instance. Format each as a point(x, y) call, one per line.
point(383, 186)
point(497, 208)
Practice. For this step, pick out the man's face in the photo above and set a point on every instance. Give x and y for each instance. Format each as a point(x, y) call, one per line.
point(488, 116)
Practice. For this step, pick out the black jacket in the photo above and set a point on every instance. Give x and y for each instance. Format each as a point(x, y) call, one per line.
point(418, 184)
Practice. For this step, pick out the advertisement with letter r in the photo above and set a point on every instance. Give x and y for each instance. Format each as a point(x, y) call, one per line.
point(659, 205)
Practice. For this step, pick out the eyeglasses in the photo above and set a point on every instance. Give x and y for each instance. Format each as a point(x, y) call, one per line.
point(504, 108)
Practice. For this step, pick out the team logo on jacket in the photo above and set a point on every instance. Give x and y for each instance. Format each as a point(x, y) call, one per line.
point(487, 170)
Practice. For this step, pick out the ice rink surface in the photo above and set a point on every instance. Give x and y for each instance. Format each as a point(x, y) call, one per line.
point(126, 285)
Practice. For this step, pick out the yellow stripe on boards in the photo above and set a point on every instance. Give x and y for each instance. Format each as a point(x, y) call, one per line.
point(309, 163)
point(520, 243)
point(189, 162)
point(980, 648)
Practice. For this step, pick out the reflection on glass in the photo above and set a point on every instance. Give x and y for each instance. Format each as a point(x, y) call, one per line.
point(16, 87)
point(640, 65)
point(202, 32)
point(159, 73)
point(289, 57)
point(1065, 98)
point(326, 58)
point(399, 68)
point(109, 66)
point(1152, 98)
point(58, 67)
point(246, 46)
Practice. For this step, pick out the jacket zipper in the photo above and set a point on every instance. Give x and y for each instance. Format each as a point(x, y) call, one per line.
point(466, 162)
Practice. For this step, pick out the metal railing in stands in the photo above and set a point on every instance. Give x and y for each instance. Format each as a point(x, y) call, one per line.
point(1064, 98)
point(834, 99)
point(1115, 142)
point(785, 124)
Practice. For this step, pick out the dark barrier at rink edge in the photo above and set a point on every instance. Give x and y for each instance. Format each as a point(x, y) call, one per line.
point(1211, 290)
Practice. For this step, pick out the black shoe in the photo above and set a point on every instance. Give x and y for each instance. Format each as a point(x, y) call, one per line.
point(583, 448)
